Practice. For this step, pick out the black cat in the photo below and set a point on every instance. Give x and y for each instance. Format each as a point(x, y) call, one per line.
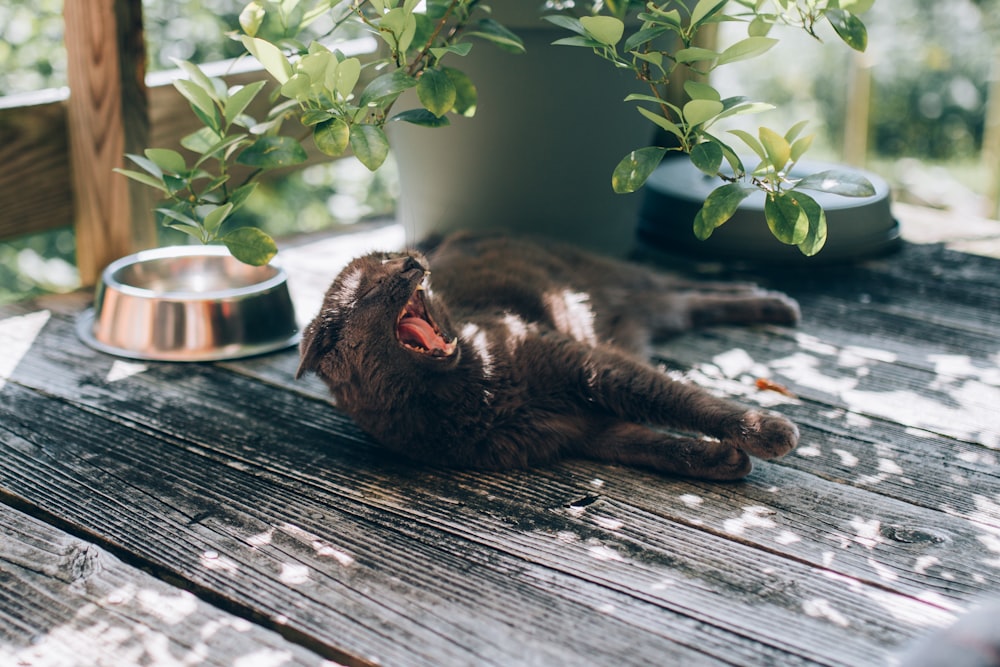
point(524, 353)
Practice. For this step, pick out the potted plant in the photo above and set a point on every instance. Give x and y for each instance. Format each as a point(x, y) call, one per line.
point(346, 105)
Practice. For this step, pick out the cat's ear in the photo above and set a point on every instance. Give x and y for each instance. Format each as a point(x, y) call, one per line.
point(318, 338)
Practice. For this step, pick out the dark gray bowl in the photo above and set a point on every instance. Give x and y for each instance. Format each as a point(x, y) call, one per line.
point(858, 227)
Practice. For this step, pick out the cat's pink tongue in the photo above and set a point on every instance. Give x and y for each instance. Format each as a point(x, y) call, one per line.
point(416, 329)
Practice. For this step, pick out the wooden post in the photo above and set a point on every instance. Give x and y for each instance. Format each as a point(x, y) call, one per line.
point(990, 156)
point(107, 117)
point(856, 122)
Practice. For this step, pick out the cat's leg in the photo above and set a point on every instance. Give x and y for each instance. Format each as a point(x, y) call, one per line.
point(636, 445)
point(681, 311)
point(638, 393)
point(755, 307)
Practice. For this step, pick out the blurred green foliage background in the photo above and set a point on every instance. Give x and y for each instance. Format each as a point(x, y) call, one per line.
point(930, 64)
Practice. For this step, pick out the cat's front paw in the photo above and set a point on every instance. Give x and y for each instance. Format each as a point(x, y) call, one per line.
point(765, 436)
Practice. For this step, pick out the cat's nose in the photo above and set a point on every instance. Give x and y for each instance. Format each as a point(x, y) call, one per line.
point(407, 263)
point(415, 263)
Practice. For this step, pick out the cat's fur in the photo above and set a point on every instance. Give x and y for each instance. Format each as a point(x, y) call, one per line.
point(533, 353)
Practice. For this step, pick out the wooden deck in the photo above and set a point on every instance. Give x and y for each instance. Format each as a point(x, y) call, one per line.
point(224, 514)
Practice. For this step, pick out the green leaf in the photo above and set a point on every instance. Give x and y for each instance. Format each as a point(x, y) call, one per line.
point(198, 77)
point(838, 182)
point(169, 161)
point(702, 229)
point(348, 72)
point(370, 145)
point(421, 117)
point(492, 31)
point(728, 153)
point(297, 87)
point(642, 97)
point(146, 164)
point(777, 149)
point(850, 28)
point(751, 47)
point(816, 236)
point(667, 125)
point(697, 112)
point(707, 157)
point(397, 27)
point(466, 97)
point(751, 142)
point(228, 144)
point(705, 9)
point(579, 40)
point(332, 137)
point(201, 140)
point(238, 196)
point(800, 146)
point(671, 20)
point(759, 27)
point(250, 245)
point(795, 130)
point(694, 54)
point(640, 37)
point(605, 29)
point(721, 203)
point(633, 170)
point(240, 99)
point(201, 103)
point(570, 23)
point(179, 217)
point(215, 218)
point(436, 92)
point(654, 57)
point(251, 18)
point(145, 179)
point(701, 91)
point(460, 49)
point(312, 117)
point(272, 152)
point(270, 56)
point(745, 108)
point(856, 6)
point(786, 218)
point(386, 86)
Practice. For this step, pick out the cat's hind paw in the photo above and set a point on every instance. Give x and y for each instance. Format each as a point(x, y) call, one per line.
point(778, 308)
point(765, 436)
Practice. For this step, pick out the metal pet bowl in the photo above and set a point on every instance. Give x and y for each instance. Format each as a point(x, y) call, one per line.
point(189, 303)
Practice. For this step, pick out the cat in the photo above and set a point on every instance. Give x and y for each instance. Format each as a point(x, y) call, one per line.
point(524, 352)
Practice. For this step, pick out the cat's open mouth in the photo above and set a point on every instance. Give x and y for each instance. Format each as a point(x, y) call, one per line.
point(417, 331)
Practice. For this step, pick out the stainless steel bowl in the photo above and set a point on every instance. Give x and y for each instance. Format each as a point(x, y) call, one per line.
point(189, 303)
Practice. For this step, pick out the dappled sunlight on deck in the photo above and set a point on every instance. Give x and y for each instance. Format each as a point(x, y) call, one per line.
point(252, 505)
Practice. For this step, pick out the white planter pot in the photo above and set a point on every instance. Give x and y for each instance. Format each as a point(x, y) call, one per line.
point(538, 155)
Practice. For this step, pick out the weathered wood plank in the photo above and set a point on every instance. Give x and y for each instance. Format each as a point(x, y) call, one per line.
point(68, 602)
point(872, 532)
point(34, 177)
point(351, 575)
point(159, 403)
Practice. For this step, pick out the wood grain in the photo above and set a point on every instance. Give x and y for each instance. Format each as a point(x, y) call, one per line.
point(106, 116)
point(68, 602)
point(252, 491)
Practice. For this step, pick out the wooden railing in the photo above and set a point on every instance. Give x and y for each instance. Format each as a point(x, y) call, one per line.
point(58, 148)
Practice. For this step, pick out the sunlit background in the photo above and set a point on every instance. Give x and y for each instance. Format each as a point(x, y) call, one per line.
point(914, 108)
